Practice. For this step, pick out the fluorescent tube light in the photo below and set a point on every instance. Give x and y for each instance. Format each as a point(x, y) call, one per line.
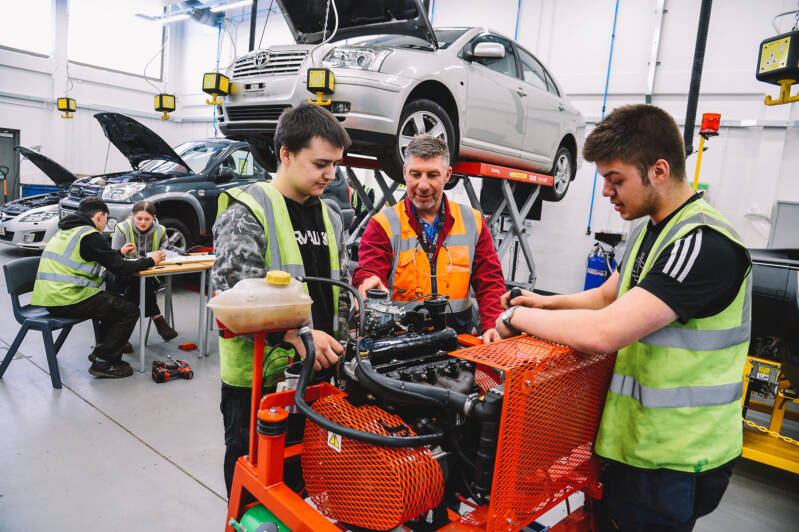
point(232, 5)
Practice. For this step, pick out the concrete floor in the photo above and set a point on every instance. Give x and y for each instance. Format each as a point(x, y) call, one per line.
point(132, 455)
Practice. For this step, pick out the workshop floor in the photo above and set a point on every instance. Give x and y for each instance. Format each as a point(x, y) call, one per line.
point(132, 455)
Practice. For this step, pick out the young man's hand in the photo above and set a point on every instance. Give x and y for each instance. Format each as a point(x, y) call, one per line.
point(327, 348)
point(127, 249)
point(158, 256)
point(527, 299)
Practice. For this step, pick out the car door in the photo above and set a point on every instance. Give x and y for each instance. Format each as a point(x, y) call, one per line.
point(236, 168)
point(545, 116)
point(495, 108)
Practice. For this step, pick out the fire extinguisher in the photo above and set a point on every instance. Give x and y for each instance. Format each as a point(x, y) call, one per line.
point(601, 264)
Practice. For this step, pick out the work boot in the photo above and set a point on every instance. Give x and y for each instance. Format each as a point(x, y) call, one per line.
point(163, 328)
point(93, 357)
point(110, 370)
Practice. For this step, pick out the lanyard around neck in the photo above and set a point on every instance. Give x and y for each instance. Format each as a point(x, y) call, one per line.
point(429, 246)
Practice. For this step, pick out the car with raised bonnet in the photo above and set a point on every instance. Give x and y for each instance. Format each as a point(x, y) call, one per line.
point(395, 77)
point(183, 183)
point(29, 222)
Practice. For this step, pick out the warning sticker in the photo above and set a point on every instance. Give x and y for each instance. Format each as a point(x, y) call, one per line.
point(334, 441)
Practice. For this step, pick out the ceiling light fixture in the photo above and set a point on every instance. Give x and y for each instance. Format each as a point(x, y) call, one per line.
point(173, 18)
point(232, 5)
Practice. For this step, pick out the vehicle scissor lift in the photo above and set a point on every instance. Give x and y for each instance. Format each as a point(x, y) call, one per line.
point(508, 208)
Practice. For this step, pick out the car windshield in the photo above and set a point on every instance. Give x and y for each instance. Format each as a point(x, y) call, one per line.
point(444, 36)
point(196, 154)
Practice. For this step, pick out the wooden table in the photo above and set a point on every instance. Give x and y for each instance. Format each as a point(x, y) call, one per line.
point(167, 271)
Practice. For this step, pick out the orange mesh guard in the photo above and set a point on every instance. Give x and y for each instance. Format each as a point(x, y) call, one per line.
point(363, 485)
point(553, 401)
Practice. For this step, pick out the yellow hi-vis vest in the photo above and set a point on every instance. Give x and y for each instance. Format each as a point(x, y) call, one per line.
point(282, 253)
point(675, 397)
point(64, 277)
point(411, 275)
point(126, 228)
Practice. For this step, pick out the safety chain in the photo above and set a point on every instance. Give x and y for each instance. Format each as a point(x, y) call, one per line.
point(327, 12)
point(786, 439)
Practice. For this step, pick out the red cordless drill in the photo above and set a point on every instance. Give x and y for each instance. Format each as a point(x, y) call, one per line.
point(163, 372)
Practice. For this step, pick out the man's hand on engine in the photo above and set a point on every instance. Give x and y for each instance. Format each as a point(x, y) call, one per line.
point(327, 348)
point(527, 299)
point(371, 282)
point(491, 335)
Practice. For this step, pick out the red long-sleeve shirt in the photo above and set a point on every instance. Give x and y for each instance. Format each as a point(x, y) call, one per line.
point(375, 258)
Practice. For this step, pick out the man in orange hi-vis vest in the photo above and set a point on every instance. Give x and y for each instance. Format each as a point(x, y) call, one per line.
point(429, 245)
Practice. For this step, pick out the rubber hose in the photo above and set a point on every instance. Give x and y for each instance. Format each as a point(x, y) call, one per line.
point(696, 75)
point(349, 432)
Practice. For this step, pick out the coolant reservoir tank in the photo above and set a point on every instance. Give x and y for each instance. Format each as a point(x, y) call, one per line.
point(277, 302)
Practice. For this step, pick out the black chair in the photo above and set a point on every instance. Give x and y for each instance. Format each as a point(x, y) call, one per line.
point(20, 277)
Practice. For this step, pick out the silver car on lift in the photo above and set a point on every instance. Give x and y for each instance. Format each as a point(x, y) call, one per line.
point(396, 77)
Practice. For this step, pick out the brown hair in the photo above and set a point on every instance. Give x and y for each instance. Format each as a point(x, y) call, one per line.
point(639, 135)
point(145, 206)
point(427, 147)
point(298, 125)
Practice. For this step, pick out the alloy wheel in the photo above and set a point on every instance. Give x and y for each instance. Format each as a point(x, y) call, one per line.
point(420, 123)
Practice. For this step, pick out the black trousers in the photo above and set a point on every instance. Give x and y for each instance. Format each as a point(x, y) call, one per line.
point(117, 321)
point(131, 293)
point(235, 407)
point(657, 500)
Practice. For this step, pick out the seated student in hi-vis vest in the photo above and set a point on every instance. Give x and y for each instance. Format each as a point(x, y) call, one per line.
point(70, 285)
point(428, 245)
point(281, 225)
point(146, 235)
point(677, 310)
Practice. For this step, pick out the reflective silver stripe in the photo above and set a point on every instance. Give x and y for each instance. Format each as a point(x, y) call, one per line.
point(335, 275)
point(272, 245)
point(407, 244)
point(81, 266)
point(697, 219)
point(71, 279)
point(706, 340)
point(470, 231)
point(631, 243)
point(683, 396)
point(459, 305)
point(395, 228)
point(76, 239)
point(295, 270)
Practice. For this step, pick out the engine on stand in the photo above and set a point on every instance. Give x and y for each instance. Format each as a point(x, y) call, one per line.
point(413, 425)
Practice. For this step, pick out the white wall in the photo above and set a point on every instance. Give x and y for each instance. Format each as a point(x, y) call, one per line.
point(747, 168)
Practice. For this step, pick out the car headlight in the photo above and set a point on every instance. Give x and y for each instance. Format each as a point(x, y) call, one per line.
point(358, 57)
point(122, 191)
point(39, 216)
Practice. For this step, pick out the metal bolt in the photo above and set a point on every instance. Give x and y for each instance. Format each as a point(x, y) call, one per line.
point(273, 410)
point(528, 383)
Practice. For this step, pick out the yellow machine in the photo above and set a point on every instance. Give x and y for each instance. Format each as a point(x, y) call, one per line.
point(765, 379)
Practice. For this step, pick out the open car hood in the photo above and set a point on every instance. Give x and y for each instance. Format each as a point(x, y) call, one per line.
point(356, 18)
point(57, 173)
point(135, 141)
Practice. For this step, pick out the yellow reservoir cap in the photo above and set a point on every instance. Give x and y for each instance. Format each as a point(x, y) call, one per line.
point(278, 277)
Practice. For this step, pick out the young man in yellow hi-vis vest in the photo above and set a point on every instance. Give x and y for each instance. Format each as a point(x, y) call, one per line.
point(427, 244)
point(281, 225)
point(678, 313)
point(69, 283)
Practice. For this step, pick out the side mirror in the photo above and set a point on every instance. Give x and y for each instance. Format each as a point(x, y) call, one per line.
point(224, 174)
point(492, 50)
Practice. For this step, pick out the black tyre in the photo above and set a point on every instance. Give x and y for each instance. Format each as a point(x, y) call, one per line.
point(178, 236)
point(419, 117)
point(262, 148)
point(563, 172)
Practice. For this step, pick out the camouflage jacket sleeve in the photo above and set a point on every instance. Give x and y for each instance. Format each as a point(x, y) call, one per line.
point(239, 246)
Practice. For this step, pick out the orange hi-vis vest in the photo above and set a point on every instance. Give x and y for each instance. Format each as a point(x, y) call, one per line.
point(411, 274)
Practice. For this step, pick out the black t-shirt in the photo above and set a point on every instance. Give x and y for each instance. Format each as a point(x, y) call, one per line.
point(309, 230)
point(697, 276)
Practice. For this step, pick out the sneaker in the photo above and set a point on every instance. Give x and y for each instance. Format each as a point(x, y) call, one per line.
point(127, 349)
point(111, 370)
point(92, 357)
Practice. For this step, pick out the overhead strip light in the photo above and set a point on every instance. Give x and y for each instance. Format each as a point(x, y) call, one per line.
point(173, 18)
point(232, 5)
